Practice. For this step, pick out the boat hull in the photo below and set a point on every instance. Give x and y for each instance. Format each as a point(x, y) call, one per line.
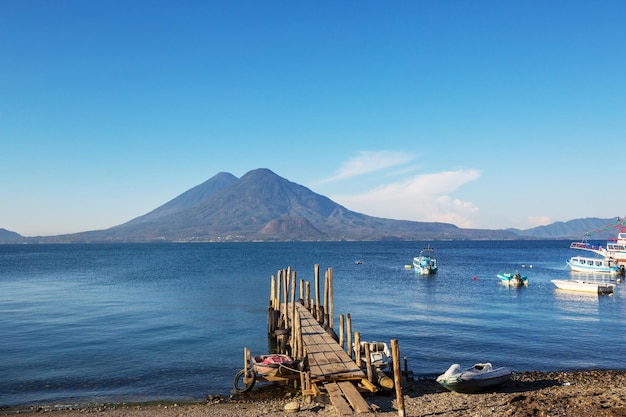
point(584, 286)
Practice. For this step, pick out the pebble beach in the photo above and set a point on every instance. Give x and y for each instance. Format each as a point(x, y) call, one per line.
point(582, 393)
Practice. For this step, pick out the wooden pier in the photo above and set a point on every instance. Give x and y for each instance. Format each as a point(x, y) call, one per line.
point(303, 328)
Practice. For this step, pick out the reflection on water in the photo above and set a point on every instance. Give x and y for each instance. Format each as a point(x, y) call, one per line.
point(580, 306)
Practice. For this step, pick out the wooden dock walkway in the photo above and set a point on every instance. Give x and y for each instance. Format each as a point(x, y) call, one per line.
point(327, 360)
point(331, 367)
point(301, 326)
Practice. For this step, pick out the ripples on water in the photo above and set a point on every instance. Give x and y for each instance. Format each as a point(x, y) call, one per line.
point(85, 323)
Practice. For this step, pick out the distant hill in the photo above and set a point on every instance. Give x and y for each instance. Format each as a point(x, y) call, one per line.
point(7, 236)
point(262, 206)
point(596, 228)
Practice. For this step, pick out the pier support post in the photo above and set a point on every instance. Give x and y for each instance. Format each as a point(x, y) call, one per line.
point(368, 362)
point(357, 348)
point(397, 377)
point(342, 330)
point(349, 333)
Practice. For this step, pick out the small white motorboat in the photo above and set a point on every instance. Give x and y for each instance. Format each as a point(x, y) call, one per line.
point(584, 286)
point(480, 377)
point(380, 359)
point(380, 355)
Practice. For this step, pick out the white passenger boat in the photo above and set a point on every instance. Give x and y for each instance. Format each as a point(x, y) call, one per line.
point(595, 265)
point(584, 286)
point(615, 247)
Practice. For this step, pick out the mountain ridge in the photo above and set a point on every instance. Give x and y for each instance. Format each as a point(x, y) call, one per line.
point(262, 206)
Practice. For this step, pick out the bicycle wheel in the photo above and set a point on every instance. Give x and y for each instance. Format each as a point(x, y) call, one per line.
point(241, 383)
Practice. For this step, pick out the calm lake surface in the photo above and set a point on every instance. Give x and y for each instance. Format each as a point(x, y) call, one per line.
point(139, 322)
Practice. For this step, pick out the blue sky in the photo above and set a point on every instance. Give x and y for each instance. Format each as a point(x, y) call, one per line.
point(485, 114)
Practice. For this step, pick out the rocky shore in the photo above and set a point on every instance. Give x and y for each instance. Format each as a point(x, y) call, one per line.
point(572, 394)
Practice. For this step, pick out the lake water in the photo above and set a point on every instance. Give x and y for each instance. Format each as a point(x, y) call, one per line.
point(140, 322)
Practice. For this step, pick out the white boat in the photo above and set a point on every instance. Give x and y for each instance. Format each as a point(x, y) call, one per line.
point(480, 377)
point(426, 262)
point(513, 280)
point(380, 359)
point(615, 247)
point(595, 265)
point(380, 355)
point(585, 286)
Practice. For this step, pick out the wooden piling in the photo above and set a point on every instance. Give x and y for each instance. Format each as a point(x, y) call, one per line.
point(317, 291)
point(342, 330)
point(368, 362)
point(349, 333)
point(326, 292)
point(331, 302)
point(307, 296)
point(293, 313)
point(357, 348)
point(397, 377)
point(285, 300)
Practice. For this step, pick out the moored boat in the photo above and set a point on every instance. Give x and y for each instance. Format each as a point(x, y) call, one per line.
point(615, 247)
point(595, 265)
point(380, 359)
point(480, 377)
point(426, 262)
point(380, 354)
point(514, 280)
point(584, 286)
point(273, 364)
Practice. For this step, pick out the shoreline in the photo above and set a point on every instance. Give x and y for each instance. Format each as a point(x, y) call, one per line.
point(597, 393)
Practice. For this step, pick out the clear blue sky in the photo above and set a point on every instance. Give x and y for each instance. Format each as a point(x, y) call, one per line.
point(486, 114)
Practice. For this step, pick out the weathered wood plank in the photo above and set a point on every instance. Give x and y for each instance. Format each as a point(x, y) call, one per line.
point(337, 399)
point(354, 397)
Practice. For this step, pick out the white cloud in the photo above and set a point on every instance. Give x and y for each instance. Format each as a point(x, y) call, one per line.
point(366, 162)
point(535, 221)
point(418, 198)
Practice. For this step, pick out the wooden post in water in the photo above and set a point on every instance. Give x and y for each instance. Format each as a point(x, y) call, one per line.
point(293, 313)
point(271, 325)
point(331, 299)
point(349, 332)
point(368, 362)
point(285, 300)
point(326, 292)
point(276, 293)
point(341, 332)
point(357, 348)
point(397, 377)
point(301, 353)
point(246, 361)
point(317, 292)
point(307, 297)
point(301, 289)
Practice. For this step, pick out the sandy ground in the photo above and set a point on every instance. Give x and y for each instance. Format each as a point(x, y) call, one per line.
point(572, 394)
